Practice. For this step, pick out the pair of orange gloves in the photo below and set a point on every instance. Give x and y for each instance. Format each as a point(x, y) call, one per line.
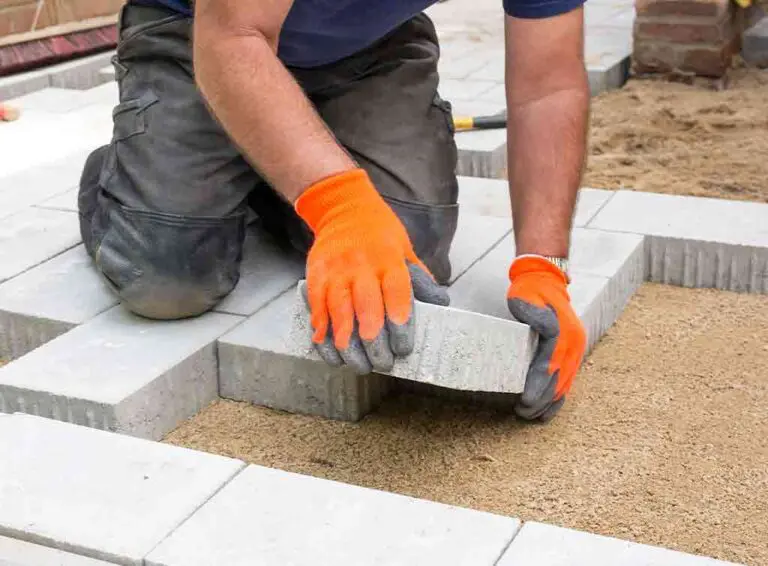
point(363, 276)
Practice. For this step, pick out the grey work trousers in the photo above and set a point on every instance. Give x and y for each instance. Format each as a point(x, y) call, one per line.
point(163, 206)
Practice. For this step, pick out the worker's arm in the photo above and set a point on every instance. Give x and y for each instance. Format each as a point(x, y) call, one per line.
point(547, 107)
point(362, 272)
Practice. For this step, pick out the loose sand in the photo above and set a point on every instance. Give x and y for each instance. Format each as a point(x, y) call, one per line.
point(664, 440)
point(674, 138)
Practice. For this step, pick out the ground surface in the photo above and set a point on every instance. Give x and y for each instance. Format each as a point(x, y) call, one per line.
point(664, 441)
point(674, 138)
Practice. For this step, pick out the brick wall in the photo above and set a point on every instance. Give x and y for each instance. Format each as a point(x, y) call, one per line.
point(18, 16)
point(693, 37)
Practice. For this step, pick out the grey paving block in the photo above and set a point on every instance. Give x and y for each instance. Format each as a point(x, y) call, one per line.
point(34, 235)
point(48, 300)
point(63, 201)
point(38, 184)
point(106, 93)
point(82, 73)
point(51, 99)
point(23, 83)
point(273, 518)
point(482, 153)
point(475, 236)
point(14, 552)
point(106, 496)
point(256, 365)
point(454, 348)
point(265, 273)
point(454, 90)
point(107, 73)
point(607, 53)
point(695, 242)
point(754, 44)
point(490, 197)
point(121, 373)
point(548, 545)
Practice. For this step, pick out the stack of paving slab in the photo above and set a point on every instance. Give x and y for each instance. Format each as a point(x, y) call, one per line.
point(74, 496)
point(471, 34)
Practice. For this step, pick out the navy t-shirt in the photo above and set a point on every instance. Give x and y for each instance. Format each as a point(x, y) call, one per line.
point(317, 32)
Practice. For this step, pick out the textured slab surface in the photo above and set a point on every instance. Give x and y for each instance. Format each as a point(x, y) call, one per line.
point(475, 235)
point(545, 545)
point(273, 518)
point(34, 235)
point(47, 300)
point(120, 372)
point(482, 153)
point(104, 495)
point(453, 348)
point(695, 242)
point(14, 552)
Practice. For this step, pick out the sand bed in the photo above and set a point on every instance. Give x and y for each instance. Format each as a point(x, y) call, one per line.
point(683, 139)
point(664, 440)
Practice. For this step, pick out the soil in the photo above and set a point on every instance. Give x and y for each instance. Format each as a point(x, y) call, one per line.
point(664, 439)
point(668, 137)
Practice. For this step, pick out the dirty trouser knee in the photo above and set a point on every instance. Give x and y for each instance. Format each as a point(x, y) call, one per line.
point(383, 105)
point(163, 205)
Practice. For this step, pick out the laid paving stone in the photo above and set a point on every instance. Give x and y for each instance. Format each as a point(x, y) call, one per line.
point(608, 49)
point(454, 90)
point(754, 44)
point(48, 300)
point(256, 365)
point(34, 235)
point(256, 517)
point(14, 552)
point(106, 496)
point(51, 99)
point(82, 73)
point(107, 73)
point(693, 241)
point(38, 184)
point(453, 348)
point(475, 235)
point(23, 83)
point(266, 272)
point(490, 197)
point(482, 153)
point(63, 201)
point(548, 545)
point(120, 372)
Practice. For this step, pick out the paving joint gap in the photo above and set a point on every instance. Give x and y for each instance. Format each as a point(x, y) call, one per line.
point(600, 208)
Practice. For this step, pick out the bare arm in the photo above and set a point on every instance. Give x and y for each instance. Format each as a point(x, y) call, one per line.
point(256, 99)
point(548, 107)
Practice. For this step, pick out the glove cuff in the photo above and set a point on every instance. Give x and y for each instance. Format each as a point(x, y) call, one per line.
point(526, 264)
point(335, 195)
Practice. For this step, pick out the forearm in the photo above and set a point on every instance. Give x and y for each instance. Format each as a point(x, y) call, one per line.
point(546, 153)
point(266, 113)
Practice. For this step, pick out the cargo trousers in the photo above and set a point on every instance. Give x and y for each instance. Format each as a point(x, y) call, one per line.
point(163, 206)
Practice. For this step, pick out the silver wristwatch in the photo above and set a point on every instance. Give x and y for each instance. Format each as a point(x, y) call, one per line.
point(561, 263)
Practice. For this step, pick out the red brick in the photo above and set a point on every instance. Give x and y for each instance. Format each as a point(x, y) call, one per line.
point(710, 62)
point(654, 57)
point(713, 32)
point(696, 8)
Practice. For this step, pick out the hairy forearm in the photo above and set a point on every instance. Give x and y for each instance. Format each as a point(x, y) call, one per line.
point(266, 113)
point(546, 152)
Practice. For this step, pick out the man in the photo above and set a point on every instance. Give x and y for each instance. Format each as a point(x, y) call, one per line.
point(323, 116)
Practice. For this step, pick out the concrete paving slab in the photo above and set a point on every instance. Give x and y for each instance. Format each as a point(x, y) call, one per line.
point(490, 197)
point(23, 83)
point(121, 373)
point(608, 49)
point(255, 366)
point(453, 348)
point(754, 44)
point(51, 99)
point(66, 201)
point(255, 518)
point(482, 153)
point(693, 241)
point(475, 236)
point(37, 184)
point(14, 552)
point(548, 545)
point(48, 300)
point(454, 90)
point(107, 73)
point(82, 73)
point(34, 235)
point(106, 496)
point(265, 273)
point(106, 93)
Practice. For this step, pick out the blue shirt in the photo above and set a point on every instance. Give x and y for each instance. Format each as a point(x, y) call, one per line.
point(318, 32)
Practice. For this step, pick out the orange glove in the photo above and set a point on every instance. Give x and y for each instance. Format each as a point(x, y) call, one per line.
point(538, 296)
point(362, 274)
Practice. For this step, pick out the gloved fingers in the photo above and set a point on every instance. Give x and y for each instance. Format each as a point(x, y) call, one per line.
point(369, 311)
point(425, 288)
point(540, 384)
point(533, 411)
point(398, 305)
point(355, 354)
point(325, 349)
point(552, 410)
point(542, 320)
point(346, 336)
point(316, 296)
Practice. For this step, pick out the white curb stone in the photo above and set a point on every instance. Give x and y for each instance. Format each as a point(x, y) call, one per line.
point(120, 372)
point(14, 552)
point(48, 300)
point(693, 241)
point(547, 545)
point(106, 496)
point(273, 518)
point(34, 235)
